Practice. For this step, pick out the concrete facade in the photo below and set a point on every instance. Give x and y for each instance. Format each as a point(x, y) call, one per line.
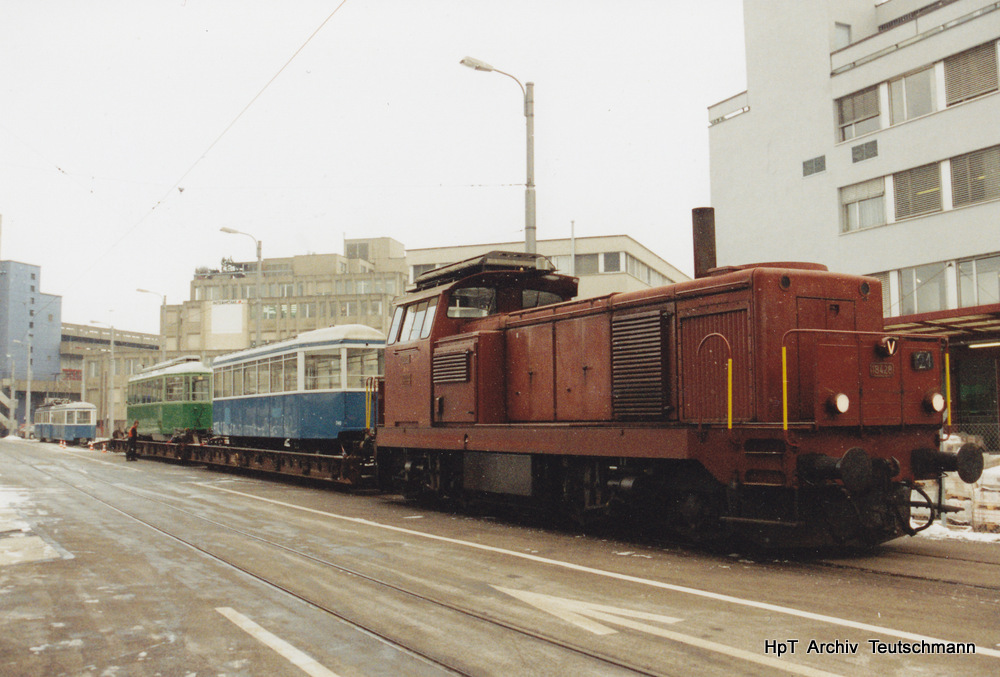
point(867, 140)
point(604, 264)
point(784, 164)
point(28, 319)
point(299, 293)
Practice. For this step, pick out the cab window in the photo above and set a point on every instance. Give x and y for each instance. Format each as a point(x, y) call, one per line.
point(472, 302)
point(397, 319)
point(533, 298)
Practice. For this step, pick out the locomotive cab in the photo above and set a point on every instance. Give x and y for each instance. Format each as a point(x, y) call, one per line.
point(468, 300)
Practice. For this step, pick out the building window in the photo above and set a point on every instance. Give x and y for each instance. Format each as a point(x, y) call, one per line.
point(924, 288)
point(357, 250)
point(971, 73)
point(975, 177)
point(612, 262)
point(422, 268)
point(841, 35)
point(918, 191)
point(912, 95)
point(863, 205)
point(814, 166)
point(865, 151)
point(979, 282)
point(587, 264)
point(858, 113)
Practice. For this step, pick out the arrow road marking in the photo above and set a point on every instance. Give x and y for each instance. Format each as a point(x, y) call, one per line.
point(581, 614)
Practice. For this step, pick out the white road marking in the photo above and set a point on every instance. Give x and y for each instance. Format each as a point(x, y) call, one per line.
point(719, 597)
point(297, 658)
point(579, 613)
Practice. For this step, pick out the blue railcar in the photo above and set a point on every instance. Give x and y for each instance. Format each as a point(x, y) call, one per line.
point(311, 393)
point(65, 421)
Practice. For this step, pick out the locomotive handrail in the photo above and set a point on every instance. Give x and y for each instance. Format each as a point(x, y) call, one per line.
point(784, 361)
point(371, 386)
point(729, 375)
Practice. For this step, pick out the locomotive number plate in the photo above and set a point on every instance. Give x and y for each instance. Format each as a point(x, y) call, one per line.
point(880, 369)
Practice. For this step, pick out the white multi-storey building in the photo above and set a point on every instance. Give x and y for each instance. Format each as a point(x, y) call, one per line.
point(869, 140)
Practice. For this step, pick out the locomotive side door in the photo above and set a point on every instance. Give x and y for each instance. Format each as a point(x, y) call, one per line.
point(530, 375)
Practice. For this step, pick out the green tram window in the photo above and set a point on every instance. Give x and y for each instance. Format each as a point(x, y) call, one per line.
point(199, 388)
point(175, 389)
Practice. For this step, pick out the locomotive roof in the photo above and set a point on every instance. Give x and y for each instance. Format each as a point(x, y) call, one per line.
point(342, 334)
point(491, 261)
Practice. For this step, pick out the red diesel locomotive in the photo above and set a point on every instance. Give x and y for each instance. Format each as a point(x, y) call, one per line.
point(761, 401)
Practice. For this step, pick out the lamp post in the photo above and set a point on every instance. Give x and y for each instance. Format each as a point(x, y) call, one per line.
point(528, 90)
point(27, 394)
point(13, 393)
point(111, 380)
point(163, 322)
point(260, 272)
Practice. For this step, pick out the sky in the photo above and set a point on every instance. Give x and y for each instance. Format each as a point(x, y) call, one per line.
point(131, 132)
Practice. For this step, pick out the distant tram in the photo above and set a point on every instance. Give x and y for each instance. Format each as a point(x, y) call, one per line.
point(171, 397)
point(64, 421)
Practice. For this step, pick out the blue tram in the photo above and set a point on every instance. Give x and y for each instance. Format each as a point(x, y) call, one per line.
point(305, 394)
point(64, 421)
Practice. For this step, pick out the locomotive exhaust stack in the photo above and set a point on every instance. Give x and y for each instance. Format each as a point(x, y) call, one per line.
point(703, 231)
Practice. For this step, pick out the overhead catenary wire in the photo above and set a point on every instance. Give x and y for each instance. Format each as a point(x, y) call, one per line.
point(176, 185)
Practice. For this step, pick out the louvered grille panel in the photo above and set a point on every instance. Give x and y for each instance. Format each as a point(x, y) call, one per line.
point(451, 368)
point(637, 365)
point(971, 73)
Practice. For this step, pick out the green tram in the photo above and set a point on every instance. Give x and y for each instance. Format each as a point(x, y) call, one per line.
point(171, 397)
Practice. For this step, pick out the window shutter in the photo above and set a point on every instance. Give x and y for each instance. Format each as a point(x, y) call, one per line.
point(975, 177)
point(858, 106)
point(862, 191)
point(971, 73)
point(918, 190)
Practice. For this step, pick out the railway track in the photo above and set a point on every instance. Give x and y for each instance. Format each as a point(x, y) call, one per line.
point(874, 564)
point(429, 657)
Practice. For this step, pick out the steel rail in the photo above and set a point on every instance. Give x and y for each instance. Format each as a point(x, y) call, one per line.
point(536, 635)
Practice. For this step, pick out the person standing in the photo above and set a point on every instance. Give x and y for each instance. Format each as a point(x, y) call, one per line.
point(133, 434)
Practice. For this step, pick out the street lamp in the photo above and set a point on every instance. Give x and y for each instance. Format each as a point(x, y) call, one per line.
point(111, 380)
point(528, 90)
point(163, 322)
point(260, 271)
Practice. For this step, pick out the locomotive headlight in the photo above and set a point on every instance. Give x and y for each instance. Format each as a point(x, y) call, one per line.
point(934, 402)
point(839, 403)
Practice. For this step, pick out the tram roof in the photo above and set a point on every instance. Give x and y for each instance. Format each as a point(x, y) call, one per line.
point(187, 367)
point(341, 334)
